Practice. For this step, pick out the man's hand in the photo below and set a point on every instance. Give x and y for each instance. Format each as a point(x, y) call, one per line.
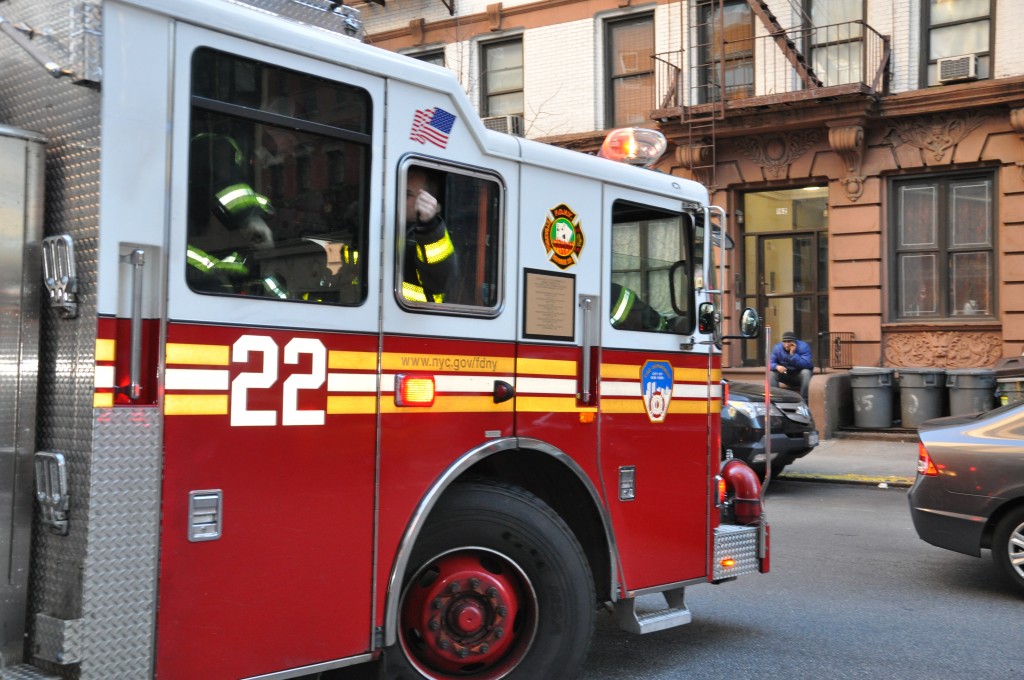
point(780, 368)
point(426, 207)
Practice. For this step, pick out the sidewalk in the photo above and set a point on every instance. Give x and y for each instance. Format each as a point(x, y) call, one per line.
point(890, 461)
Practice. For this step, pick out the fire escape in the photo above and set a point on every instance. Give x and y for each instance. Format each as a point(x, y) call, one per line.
point(729, 65)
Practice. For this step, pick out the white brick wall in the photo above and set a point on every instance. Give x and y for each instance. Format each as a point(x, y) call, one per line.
point(563, 63)
point(1009, 41)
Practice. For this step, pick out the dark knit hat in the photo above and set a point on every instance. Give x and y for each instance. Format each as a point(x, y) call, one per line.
point(789, 336)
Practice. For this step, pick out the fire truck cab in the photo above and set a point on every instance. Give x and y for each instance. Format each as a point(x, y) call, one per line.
point(307, 368)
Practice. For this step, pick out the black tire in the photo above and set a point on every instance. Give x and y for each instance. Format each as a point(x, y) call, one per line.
point(1008, 547)
point(523, 605)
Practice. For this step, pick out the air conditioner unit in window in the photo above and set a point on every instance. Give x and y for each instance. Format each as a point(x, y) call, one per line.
point(954, 69)
point(512, 125)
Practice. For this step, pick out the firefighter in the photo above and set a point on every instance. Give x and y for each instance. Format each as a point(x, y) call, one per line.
point(430, 267)
point(629, 312)
point(226, 220)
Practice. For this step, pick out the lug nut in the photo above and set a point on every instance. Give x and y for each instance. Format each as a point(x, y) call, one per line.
point(453, 587)
point(492, 592)
point(435, 624)
point(438, 603)
point(502, 610)
point(444, 644)
point(499, 633)
point(463, 653)
point(474, 583)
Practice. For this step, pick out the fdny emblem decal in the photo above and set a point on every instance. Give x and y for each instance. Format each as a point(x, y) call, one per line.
point(562, 236)
point(656, 380)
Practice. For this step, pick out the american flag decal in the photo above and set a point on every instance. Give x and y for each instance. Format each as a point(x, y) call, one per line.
point(433, 126)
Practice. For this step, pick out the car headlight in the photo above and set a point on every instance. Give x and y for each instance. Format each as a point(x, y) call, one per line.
point(751, 409)
point(802, 410)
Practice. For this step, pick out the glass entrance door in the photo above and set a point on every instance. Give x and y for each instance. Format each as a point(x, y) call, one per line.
point(789, 291)
point(785, 269)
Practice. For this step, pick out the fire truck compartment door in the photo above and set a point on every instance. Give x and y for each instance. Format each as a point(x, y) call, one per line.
point(271, 386)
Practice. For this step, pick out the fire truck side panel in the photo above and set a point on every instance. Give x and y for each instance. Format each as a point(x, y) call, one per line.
point(654, 403)
point(466, 345)
point(69, 117)
point(270, 405)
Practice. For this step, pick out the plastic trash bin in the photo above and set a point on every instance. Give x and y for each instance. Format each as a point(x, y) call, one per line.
point(1010, 380)
point(971, 390)
point(922, 395)
point(872, 396)
point(1009, 390)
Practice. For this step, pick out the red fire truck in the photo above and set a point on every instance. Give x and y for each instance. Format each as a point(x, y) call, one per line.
point(303, 367)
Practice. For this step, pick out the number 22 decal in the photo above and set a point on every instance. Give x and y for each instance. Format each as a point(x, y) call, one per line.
point(291, 414)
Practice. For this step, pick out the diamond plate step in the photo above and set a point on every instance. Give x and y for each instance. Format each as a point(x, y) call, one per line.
point(675, 614)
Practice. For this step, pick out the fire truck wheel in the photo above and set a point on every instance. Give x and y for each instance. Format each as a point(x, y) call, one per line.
point(497, 587)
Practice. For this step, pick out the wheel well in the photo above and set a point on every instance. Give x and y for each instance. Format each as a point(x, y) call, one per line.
point(560, 488)
point(996, 518)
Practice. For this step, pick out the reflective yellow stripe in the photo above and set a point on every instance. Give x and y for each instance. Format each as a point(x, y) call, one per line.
point(366, 361)
point(413, 293)
point(238, 197)
point(195, 404)
point(623, 305)
point(105, 349)
point(437, 251)
point(103, 400)
point(208, 355)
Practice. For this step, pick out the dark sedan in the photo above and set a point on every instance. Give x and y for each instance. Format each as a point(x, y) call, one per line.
point(743, 419)
point(969, 492)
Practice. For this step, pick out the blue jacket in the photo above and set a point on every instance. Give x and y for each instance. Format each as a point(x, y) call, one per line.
point(800, 359)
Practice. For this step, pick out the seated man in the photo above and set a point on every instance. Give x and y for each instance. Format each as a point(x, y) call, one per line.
point(791, 364)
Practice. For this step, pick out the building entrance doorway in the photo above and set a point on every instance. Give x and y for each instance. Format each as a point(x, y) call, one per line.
point(785, 271)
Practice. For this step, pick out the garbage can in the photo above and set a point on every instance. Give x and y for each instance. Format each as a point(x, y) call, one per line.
point(1009, 390)
point(971, 390)
point(1010, 380)
point(922, 395)
point(872, 396)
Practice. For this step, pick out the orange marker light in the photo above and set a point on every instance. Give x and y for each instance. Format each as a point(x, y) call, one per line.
point(728, 563)
point(414, 390)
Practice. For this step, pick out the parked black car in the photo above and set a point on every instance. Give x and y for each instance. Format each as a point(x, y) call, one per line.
point(743, 419)
point(969, 491)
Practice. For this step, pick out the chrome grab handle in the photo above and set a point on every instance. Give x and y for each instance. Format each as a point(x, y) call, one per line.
point(137, 260)
point(587, 305)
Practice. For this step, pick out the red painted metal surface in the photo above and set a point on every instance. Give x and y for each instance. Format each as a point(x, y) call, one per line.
point(289, 581)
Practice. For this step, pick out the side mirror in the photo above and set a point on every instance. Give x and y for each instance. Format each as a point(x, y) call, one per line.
point(706, 318)
point(750, 323)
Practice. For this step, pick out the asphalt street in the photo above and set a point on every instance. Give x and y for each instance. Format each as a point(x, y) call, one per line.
point(891, 461)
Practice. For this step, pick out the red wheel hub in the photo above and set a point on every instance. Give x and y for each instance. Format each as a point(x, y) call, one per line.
point(466, 613)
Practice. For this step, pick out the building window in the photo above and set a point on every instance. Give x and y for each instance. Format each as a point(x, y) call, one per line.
point(630, 70)
point(944, 250)
point(836, 40)
point(435, 57)
point(502, 78)
point(954, 28)
point(725, 49)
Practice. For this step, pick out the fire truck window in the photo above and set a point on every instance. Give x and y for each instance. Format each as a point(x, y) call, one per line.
point(279, 166)
point(646, 243)
point(450, 244)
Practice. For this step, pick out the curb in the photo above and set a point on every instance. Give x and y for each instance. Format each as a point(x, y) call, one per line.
point(891, 481)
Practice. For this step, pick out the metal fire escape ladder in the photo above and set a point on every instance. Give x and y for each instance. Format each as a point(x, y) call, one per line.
point(707, 98)
point(788, 47)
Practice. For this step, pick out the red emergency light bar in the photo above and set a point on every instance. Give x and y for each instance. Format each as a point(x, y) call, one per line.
point(635, 146)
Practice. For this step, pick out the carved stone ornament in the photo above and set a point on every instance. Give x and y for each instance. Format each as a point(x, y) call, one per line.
point(696, 159)
point(776, 152)
point(938, 133)
point(1017, 121)
point(848, 143)
point(943, 349)
point(494, 16)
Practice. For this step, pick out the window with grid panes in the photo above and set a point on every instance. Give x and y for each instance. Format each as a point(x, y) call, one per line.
point(630, 70)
